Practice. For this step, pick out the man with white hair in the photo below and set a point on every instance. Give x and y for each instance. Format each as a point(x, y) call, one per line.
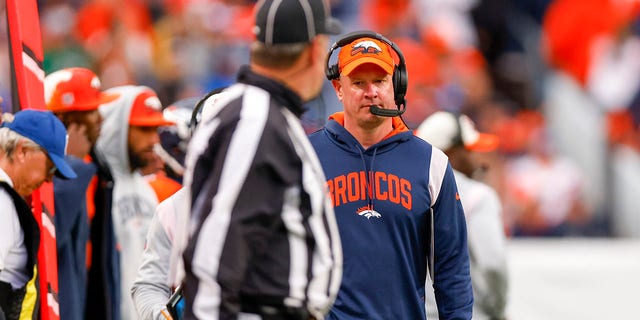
point(32, 151)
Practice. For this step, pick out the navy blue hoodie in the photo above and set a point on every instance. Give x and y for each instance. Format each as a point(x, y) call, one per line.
point(382, 197)
point(72, 234)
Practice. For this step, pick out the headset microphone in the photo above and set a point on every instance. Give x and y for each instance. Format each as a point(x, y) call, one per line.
point(374, 109)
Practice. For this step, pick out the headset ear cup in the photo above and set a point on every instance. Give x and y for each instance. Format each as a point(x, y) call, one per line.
point(332, 72)
point(399, 84)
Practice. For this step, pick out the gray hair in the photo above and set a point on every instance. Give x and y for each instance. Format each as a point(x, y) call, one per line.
point(9, 139)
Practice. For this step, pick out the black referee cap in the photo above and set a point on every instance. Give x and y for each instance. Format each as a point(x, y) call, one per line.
point(293, 21)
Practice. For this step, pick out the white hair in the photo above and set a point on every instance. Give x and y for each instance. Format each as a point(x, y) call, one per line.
point(9, 139)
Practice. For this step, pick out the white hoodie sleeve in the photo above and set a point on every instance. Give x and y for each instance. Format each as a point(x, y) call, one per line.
point(150, 290)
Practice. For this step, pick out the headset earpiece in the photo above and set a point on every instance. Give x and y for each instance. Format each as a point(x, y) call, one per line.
point(457, 139)
point(400, 83)
point(332, 72)
point(197, 110)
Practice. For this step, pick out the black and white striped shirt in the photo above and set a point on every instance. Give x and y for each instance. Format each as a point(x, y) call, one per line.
point(262, 229)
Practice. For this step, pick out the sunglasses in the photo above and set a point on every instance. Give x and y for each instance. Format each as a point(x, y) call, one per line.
point(53, 170)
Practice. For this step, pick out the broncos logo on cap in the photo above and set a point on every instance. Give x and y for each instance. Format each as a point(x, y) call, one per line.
point(365, 47)
point(153, 103)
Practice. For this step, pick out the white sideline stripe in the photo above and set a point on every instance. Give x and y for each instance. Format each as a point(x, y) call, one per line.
point(32, 66)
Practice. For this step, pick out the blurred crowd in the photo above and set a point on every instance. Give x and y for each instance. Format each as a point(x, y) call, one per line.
point(557, 80)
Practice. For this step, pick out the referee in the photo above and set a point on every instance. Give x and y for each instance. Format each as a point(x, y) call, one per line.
point(263, 241)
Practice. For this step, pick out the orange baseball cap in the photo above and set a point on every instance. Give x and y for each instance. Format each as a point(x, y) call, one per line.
point(74, 89)
point(365, 50)
point(147, 111)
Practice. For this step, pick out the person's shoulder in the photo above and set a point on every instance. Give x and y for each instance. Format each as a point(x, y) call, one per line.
point(480, 189)
point(419, 142)
point(81, 167)
point(6, 202)
point(168, 209)
point(490, 194)
point(483, 187)
point(4, 195)
point(419, 146)
point(315, 135)
point(163, 186)
point(3, 189)
point(173, 200)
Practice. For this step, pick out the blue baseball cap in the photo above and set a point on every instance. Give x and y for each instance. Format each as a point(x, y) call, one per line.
point(45, 129)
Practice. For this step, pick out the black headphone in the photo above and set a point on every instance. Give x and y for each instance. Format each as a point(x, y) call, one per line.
point(399, 77)
point(457, 141)
point(197, 110)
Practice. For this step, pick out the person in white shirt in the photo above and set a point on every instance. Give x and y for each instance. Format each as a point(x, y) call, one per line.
point(456, 135)
point(158, 272)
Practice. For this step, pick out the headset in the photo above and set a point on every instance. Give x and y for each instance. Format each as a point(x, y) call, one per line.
point(399, 77)
point(457, 141)
point(197, 110)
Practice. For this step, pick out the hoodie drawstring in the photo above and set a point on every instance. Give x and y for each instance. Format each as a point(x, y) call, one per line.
point(370, 190)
